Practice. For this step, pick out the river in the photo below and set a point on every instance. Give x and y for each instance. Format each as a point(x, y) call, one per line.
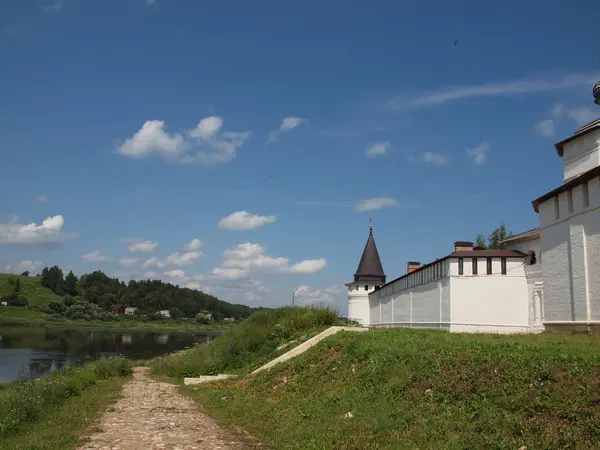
point(38, 351)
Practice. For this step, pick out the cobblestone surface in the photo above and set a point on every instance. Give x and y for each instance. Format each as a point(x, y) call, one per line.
point(152, 415)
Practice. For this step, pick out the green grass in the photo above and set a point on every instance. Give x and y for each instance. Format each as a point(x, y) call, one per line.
point(409, 389)
point(26, 407)
point(247, 345)
point(31, 287)
point(67, 423)
point(26, 317)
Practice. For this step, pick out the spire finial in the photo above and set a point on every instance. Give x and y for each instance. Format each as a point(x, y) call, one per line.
point(370, 226)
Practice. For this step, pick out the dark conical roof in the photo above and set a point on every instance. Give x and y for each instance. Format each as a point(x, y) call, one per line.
point(370, 268)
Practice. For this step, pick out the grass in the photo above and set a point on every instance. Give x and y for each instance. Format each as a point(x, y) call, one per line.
point(31, 287)
point(407, 389)
point(247, 345)
point(28, 407)
point(68, 422)
point(27, 317)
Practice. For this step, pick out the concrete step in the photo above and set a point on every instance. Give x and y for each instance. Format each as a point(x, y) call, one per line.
point(298, 350)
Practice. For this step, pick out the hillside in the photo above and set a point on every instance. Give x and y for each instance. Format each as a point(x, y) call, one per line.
point(59, 291)
point(403, 388)
point(31, 287)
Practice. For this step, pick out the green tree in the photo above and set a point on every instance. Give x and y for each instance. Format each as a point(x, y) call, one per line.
point(494, 239)
point(71, 283)
point(25, 274)
point(17, 286)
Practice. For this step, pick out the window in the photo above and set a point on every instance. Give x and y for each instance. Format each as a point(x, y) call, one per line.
point(366, 287)
point(503, 264)
point(532, 258)
point(474, 266)
point(460, 266)
point(570, 200)
point(556, 209)
point(489, 266)
point(586, 195)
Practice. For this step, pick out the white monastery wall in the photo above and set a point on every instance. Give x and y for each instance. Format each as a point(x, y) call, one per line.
point(570, 238)
point(490, 303)
point(525, 246)
point(581, 154)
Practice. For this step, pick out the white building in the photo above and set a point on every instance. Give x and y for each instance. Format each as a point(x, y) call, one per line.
point(570, 236)
point(547, 278)
point(130, 310)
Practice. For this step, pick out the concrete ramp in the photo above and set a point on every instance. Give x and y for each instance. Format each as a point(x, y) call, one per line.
point(298, 350)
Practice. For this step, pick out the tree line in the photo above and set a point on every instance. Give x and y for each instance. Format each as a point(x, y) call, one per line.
point(148, 296)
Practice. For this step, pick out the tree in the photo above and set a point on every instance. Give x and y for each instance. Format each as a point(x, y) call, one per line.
point(17, 286)
point(71, 283)
point(494, 239)
point(25, 274)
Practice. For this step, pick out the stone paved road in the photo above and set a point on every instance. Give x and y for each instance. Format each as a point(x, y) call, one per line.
point(151, 415)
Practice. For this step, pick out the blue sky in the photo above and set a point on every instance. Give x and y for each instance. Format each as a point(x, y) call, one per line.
point(271, 131)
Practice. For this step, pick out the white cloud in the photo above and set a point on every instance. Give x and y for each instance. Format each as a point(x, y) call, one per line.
point(48, 232)
point(479, 153)
point(26, 265)
point(128, 262)
point(176, 273)
point(545, 128)
point(174, 259)
point(42, 198)
point(54, 7)
point(375, 203)
point(307, 295)
point(205, 144)
point(243, 221)
point(194, 244)
point(140, 245)
point(378, 148)
point(435, 159)
point(583, 115)
point(308, 266)
point(95, 256)
point(193, 285)
point(243, 259)
point(579, 115)
point(522, 86)
point(288, 124)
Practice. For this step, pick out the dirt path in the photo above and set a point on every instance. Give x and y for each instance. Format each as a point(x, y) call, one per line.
point(151, 415)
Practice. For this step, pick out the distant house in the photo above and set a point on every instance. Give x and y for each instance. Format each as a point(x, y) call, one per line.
point(129, 310)
point(164, 313)
point(229, 319)
point(3, 303)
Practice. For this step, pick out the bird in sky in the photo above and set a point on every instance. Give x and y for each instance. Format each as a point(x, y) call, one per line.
point(456, 42)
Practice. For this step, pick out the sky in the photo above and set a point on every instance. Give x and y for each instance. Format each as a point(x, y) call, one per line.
point(241, 148)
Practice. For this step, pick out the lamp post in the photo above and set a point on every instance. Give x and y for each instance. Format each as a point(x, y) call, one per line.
point(294, 295)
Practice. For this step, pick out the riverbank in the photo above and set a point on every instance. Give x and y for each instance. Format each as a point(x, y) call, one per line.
point(52, 412)
point(16, 316)
point(403, 388)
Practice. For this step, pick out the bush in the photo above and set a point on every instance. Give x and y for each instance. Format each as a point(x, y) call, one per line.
point(246, 345)
point(83, 310)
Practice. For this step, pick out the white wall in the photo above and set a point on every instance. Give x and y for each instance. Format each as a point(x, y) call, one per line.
point(490, 303)
point(525, 246)
point(581, 154)
point(423, 306)
point(570, 242)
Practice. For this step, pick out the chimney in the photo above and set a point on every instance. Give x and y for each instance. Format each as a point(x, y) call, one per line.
point(412, 266)
point(463, 246)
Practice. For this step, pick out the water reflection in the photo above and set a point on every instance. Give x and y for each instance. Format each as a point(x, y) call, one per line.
point(36, 351)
